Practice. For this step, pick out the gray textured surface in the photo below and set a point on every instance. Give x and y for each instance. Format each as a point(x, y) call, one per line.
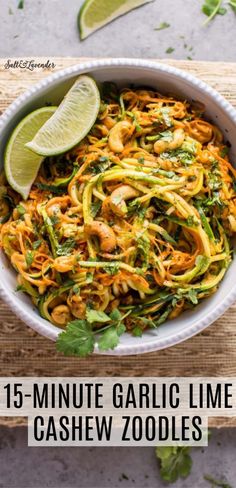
point(46, 28)
point(50, 28)
point(23, 467)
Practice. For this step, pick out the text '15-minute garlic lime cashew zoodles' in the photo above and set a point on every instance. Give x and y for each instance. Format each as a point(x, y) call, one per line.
point(129, 228)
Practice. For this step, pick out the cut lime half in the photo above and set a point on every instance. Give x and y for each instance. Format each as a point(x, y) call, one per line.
point(22, 165)
point(72, 120)
point(94, 14)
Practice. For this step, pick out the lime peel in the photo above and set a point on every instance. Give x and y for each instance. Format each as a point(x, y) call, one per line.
point(94, 14)
point(21, 165)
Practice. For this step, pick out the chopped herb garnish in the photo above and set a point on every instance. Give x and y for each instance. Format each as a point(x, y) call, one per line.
point(95, 208)
point(66, 248)
point(21, 4)
point(80, 336)
point(175, 462)
point(52, 188)
point(211, 8)
point(21, 210)
point(36, 244)
point(29, 258)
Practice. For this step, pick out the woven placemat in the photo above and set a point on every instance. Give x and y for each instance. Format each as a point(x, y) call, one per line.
point(25, 353)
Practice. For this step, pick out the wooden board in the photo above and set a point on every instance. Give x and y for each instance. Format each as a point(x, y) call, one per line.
point(211, 353)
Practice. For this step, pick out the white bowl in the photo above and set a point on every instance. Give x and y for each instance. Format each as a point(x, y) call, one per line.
point(165, 79)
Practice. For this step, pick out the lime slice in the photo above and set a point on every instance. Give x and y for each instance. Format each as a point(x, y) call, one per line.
point(72, 120)
point(94, 14)
point(21, 164)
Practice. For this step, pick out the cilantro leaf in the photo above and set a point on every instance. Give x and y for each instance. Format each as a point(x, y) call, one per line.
point(21, 210)
point(175, 462)
point(163, 25)
point(37, 244)
point(66, 248)
point(115, 315)
point(137, 331)
point(51, 188)
point(109, 339)
point(192, 296)
point(97, 316)
point(95, 208)
point(29, 258)
point(77, 339)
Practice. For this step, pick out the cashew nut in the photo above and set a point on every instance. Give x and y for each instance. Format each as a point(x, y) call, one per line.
point(118, 198)
point(105, 234)
point(178, 138)
point(117, 135)
point(61, 315)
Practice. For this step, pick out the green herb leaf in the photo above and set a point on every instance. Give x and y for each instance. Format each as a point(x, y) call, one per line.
point(20, 4)
point(76, 290)
point(192, 296)
point(137, 331)
point(66, 248)
point(21, 210)
point(170, 50)
point(109, 339)
point(163, 25)
point(29, 258)
point(166, 136)
point(97, 316)
point(211, 8)
point(115, 315)
point(214, 482)
point(165, 115)
point(113, 269)
point(36, 244)
point(77, 339)
point(52, 188)
point(175, 462)
point(95, 208)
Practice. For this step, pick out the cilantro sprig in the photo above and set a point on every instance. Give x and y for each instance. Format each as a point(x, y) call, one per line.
point(175, 462)
point(216, 483)
point(80, 336)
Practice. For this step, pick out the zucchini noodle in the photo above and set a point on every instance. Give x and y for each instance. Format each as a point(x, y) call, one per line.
point(138, 217)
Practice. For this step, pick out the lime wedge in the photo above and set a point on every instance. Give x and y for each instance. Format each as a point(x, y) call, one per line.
point(21, 164)
point(72, 120)
point(94, 14)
